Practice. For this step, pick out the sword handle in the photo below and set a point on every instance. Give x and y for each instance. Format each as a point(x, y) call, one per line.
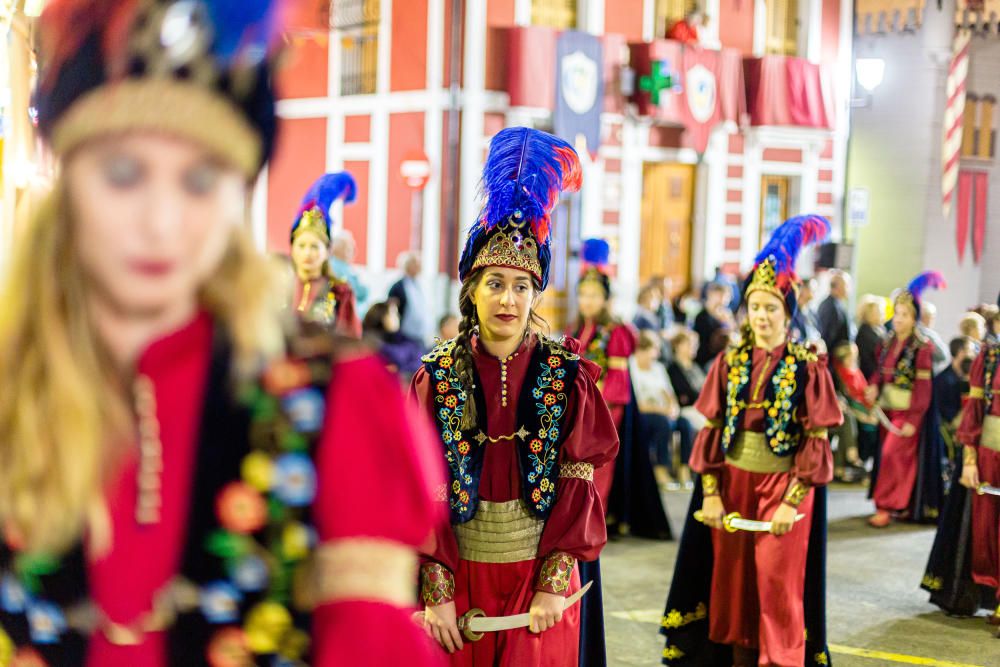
point(464, 625)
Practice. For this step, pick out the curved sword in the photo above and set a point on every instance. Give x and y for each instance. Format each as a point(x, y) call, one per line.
point(734, 521)
point(475, 622)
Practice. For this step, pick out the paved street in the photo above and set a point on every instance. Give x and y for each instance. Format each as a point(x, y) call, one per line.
point(877, 614)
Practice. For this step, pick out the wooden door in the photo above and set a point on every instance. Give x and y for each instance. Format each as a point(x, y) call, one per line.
point(667, 203)
point(773, 205)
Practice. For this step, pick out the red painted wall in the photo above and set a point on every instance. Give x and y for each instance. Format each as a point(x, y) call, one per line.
point(409, 46)
point(406, 133)
point(299, 159)
point(736, 25)
point(357, 129)
point(356, 214)
point(624, 17)
point(831, 31)
point(304, 71)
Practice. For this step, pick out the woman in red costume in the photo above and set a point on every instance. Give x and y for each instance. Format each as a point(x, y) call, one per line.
point(320, 296)
point(179, 485)
point(634, 504)
point(764, 456)
point(523, 427)
point(906, 480)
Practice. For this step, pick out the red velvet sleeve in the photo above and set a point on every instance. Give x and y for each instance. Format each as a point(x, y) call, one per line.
point(348, 323)
point(923, 385)
point(617, 388)
point(818, 411)
point(971, 427)
point(576, 525)
point(377, 464)
point(707, 455)
point(442, 548)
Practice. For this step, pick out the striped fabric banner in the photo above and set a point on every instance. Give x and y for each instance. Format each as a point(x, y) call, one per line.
point(951, 147)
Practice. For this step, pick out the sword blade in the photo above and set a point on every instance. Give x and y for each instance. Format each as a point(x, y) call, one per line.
point(497, 623)
point(986, 489)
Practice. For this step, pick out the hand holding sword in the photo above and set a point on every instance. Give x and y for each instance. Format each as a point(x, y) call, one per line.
point(733, 522)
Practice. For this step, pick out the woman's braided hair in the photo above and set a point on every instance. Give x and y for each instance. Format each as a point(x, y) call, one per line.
point(468, 324)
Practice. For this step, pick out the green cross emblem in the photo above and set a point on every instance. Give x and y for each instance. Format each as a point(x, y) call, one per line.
point(659, 79)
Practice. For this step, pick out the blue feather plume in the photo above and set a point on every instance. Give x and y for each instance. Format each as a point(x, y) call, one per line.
point(525, 170)
point(595, 252)
point(244, 27)
point(788, 240)
point(327, 189)
point(926, 280)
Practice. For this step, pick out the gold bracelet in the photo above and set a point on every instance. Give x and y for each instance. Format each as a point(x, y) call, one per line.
point(796, 493)
point(709, 485)
point(437, 584)
point(969, 456)
point(556, 572)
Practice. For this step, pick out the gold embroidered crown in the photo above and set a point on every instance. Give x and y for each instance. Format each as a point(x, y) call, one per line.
point(765, 279)
point(511, 247)
point(906, 297)
point(312, 221)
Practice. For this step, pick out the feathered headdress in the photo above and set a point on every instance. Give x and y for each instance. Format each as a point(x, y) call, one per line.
point(774, 267)
point(524, 174)
point(913, 293)
point(314, 212)
point(170, 61)
point(594, 256)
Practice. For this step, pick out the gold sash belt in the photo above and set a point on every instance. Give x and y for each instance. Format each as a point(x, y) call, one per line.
point(500, 533)
point(751, 452)
point(990, 438)
point(895, 398)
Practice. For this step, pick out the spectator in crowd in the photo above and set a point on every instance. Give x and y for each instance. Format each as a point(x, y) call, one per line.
point(687, 306)
point(713, 323)
point(721, 277)
point(857, 437)
point(835, 325)
point(973, 325)
point(381, 331)
point(991, 314)
point(665, 312)
point(871, 332)
point(647, 313)
point(448, 327)
point(686, 377)
point(928, 316)
point(410, 299)
point(686, 29)
point(952, 383)
point(658, 407)
point(805, 325)
point(342, 249)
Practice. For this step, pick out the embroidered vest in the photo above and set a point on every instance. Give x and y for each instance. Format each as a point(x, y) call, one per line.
point(990, 364)
point(541, 412)
point(782, 395)
point(323, 309)
point(248, 543)
point(905, 371)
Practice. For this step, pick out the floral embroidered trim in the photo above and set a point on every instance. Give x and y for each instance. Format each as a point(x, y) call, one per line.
point(709, 485)
point(552, 403)
point(577, 470)
point(437, 584)
point(556, 572)
point(673, 653)
point(990, 365)
point(784, 382)
point(905, 371)
point(597, 351)
point(821, 659)
point(931, 582)
point(969, 456)
point(796, 493)
point(739, 377)
point(675, 619)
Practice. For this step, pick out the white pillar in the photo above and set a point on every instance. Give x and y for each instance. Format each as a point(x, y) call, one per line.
point(474, 71)
point(378, 167)
point(433, 130)
point(708, 234)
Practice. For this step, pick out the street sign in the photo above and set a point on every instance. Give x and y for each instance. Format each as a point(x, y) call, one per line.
point(415, 169)
point(857, 206)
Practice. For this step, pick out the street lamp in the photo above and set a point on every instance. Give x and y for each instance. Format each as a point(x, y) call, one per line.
point(870, 72)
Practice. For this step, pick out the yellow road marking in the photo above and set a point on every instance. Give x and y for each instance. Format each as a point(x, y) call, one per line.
point(896, 657)
point(653, 616)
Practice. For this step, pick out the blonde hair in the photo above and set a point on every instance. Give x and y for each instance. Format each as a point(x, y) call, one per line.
point(869, 303)
point(65, 405)
point(972, 325)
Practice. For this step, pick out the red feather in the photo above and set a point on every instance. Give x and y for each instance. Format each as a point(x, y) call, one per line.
point(67, 23)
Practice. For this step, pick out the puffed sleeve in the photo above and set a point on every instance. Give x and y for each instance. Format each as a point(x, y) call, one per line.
point(348, 323)
point(971, 427)
point(819, 410)
point(439, 556)
point(377, 465)
point(617, 388)
point(923, 384)
point(707, 457)
point(576, 525)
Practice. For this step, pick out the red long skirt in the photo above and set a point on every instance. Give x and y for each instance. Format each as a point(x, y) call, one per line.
point(758, 579)
point(504, 589)
point(986, 524)
point(897, 467)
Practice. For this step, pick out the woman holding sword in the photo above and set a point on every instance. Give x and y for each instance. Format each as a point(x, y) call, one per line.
point(743, 592)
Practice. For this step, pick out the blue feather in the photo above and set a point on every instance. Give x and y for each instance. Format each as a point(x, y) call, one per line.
point(926, 280)
point(525, 171)
point(244, 27)
point(788, 240)
point(328, 188)
point(596, 252)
